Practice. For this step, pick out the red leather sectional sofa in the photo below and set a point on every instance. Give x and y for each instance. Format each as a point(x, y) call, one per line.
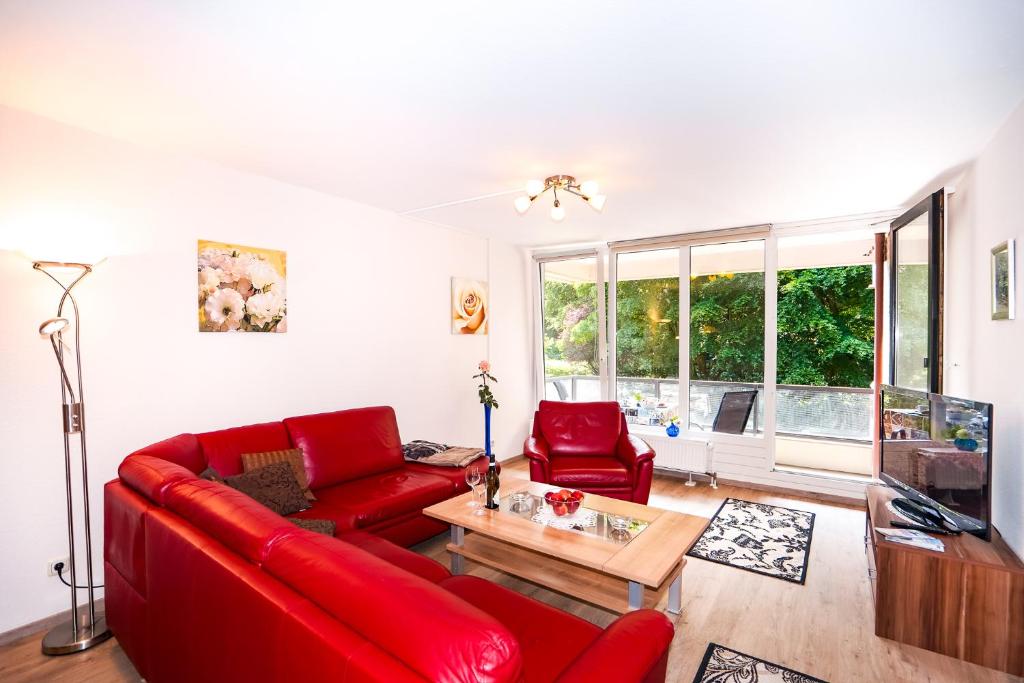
point(205, 584)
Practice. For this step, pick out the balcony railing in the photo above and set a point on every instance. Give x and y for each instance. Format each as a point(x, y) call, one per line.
point(807, 411)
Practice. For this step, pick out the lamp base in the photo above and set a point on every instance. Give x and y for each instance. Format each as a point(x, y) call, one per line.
point(62, 639)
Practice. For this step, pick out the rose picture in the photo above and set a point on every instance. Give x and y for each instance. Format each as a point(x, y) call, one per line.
point(469, 306)
point(241, 289)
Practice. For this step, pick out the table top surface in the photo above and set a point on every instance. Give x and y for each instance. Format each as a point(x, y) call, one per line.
point(647, 556)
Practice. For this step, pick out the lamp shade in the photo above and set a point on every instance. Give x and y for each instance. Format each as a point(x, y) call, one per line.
point(590, 188)
point(53, 326)
point(558, 213)
point(522, 204)
point(534, 187)
point(597, 202)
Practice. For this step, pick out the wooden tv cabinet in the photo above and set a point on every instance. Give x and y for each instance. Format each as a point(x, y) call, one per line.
point(966, 602)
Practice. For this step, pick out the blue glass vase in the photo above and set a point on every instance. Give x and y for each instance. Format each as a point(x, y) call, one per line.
point(966, 444)
point(672, 429)
point(487, 429)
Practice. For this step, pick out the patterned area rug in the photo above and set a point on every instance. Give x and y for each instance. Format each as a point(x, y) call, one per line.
point(722, 665)
point(761, 538)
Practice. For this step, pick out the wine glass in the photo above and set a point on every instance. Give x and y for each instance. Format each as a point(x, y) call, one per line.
point(473, 478)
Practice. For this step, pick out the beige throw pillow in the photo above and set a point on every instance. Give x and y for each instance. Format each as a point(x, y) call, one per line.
point(292, 456)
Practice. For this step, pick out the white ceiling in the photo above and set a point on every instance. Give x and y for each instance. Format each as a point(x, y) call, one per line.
point(691, 115)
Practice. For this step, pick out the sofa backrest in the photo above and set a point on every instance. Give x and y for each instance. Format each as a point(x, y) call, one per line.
point(435, 633)
point(347, 444)
point(591, 428)
point(182, 450)
point(151, 476)
point(223, 448)
point(432, 632)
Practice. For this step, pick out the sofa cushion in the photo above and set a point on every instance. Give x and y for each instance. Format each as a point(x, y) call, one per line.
point(588, 471)
point(408, 560)
point(347, 444)
point(580, 428)
point(292, 456)
point(548, 638)
point(274, 486)
point(435, 633)
point(223, 448)
point(379, 497)
point(456, 475)
point(327, 527)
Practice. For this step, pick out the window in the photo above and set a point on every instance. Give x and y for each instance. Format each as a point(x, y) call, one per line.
point(825, 359)
point(647, 335)
point(916, 298)
point(726, 345)
point(572, 368)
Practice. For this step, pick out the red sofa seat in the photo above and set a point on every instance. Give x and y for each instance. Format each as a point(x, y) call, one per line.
point(588, 446)
point(205, 584)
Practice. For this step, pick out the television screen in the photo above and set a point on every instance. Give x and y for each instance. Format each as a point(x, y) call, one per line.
point(936, 450)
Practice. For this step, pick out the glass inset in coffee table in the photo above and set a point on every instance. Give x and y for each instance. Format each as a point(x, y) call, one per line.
point(612, 553)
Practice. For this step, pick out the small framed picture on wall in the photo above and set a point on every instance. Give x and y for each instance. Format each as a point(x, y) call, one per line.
point(1003, 281)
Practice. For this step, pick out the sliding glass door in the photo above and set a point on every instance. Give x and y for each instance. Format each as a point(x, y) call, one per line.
point(571, 326)
point(726, 329)
point(647, 324)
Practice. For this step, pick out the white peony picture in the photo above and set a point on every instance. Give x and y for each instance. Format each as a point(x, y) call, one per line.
point(469, 306)
point(241, 289)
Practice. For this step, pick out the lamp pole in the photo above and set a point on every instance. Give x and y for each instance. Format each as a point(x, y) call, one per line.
point(88, 629)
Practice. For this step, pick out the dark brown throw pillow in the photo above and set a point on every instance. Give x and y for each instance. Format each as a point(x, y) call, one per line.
point(293, 456)
point(210, 474)
point(320, 526)
point(274, 486)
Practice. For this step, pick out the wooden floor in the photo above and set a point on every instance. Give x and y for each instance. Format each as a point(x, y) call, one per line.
point(823, 628)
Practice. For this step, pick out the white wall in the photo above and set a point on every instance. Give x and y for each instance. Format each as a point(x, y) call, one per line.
point(983, 356)
point(368, 296)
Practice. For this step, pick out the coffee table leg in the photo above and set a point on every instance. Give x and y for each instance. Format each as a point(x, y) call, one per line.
point(458, 538)
point(636, 595)
point(675, 595)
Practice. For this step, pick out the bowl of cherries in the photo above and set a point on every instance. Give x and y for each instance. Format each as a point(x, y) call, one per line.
point(564, 502)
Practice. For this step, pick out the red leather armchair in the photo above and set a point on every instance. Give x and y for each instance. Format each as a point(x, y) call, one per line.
point(587, 446)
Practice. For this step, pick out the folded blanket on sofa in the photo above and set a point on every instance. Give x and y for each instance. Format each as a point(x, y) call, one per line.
point(439, 454)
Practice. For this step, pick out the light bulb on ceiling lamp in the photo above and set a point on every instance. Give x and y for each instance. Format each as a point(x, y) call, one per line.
point(534, 187)
point(558, 212)
point(588, 192)
point(522, 204)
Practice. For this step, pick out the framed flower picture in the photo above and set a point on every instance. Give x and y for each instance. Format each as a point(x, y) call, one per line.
point(469, 306)
point(1003, 281)
point(241, 289)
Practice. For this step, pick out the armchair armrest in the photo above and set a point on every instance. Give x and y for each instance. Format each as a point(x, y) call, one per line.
point(536, 449)
point(634, 649)
point(632, 451)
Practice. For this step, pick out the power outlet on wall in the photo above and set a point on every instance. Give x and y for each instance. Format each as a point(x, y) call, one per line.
point(51, 568)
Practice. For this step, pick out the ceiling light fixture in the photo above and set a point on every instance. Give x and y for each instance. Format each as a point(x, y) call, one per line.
point(588, 192)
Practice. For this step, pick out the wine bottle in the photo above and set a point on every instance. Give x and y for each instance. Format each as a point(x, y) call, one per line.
point(491, 480)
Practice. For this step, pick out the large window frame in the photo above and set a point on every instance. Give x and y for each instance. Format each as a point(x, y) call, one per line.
point(684, 244)
point(764, 441)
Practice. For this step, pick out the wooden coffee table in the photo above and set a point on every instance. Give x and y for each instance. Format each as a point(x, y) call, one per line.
point(615, 570)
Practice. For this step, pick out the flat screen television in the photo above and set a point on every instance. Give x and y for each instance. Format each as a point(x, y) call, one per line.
point(937, 452)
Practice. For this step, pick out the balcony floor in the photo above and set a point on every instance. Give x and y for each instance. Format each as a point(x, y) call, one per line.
point(811, 456)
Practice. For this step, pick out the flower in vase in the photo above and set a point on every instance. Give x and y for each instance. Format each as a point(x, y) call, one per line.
point(484, 366)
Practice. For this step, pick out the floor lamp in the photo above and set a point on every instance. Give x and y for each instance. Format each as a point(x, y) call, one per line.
point(89, 627)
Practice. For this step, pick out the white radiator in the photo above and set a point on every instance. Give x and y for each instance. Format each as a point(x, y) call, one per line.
point(685, 455)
